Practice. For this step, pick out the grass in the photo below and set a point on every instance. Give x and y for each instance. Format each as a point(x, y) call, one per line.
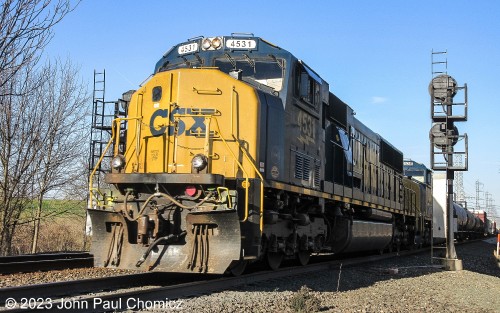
point(304, 301)
point(58, 234)
point(62, 229)
point(58, 207)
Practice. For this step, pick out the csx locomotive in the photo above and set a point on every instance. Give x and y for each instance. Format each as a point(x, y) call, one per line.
point(235, 151)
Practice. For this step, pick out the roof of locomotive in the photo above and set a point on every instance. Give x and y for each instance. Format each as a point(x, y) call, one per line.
point(412, 165)
point(198, 51)
point(201, 51)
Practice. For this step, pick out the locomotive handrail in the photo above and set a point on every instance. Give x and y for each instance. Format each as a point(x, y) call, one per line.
point(91, 178)
point(96, 190)
point(261, 212)
point(240, 166)
point(216, 92)
point(113, 135)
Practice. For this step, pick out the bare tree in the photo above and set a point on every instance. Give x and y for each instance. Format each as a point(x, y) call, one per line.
point(43, 142)
point(20, 122)
point(26, 27)
point(63, 102)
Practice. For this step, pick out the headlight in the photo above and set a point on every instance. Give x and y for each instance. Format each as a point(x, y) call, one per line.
point(199, 162)
point(206, 44)
point(211, 43)
point(118, 162)
point(216, 43)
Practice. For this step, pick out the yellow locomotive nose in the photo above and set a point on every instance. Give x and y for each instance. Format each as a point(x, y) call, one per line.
point(189, 131)
point(197, 110)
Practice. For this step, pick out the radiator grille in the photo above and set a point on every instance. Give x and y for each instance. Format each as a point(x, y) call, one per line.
point(305, 166)
point(317, 167)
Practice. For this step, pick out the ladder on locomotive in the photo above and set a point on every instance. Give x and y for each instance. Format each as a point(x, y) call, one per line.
point(103, 114)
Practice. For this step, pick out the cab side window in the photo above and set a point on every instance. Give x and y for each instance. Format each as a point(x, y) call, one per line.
point(307, 87)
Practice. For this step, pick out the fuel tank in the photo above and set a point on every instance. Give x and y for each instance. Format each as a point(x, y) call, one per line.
point(361, 235)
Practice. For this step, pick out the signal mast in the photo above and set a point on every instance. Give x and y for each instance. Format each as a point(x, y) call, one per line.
point(444, 137)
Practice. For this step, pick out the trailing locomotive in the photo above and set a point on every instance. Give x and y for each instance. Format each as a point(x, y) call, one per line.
point(236, 151)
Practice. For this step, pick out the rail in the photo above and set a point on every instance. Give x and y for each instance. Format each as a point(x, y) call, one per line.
point(44, 261)
point(84, 291)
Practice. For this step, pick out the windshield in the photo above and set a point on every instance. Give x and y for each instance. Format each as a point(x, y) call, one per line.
point(185, 63)
point(268, 71)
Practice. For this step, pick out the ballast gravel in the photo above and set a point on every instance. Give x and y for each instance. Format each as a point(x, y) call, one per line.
point(400, 284)
point(21, 279)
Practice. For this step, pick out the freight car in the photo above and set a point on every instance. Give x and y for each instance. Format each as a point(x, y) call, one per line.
point(489, 225)
point(235, 151)
point(467, 224)
point(492, 229)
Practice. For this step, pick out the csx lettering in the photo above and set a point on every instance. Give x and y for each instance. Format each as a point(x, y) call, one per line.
point(197, 126)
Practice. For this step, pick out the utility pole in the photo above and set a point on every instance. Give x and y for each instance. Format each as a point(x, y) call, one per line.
point(460, 197)
point(487, 203)
point(478, 192)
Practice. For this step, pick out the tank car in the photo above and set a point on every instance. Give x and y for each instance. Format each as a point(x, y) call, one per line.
point(467, 224)
point(236, 151)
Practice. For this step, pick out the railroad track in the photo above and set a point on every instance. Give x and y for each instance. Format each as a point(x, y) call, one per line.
point(103, 294)
point(45, 262)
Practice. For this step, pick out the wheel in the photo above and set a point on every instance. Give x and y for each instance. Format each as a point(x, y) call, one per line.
point(274, 260)
point(236, 268)
point(303, 257)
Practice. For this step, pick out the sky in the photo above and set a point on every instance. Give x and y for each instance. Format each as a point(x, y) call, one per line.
point(376, 56)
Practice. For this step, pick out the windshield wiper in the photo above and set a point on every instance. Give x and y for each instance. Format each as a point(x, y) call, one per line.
point(188, 64)
point(250, 61)
point(233, 62)
point(200, 60)
point(280, 63)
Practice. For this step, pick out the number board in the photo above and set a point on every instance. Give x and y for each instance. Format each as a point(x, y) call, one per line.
point(188, 48)
point(241, 44)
